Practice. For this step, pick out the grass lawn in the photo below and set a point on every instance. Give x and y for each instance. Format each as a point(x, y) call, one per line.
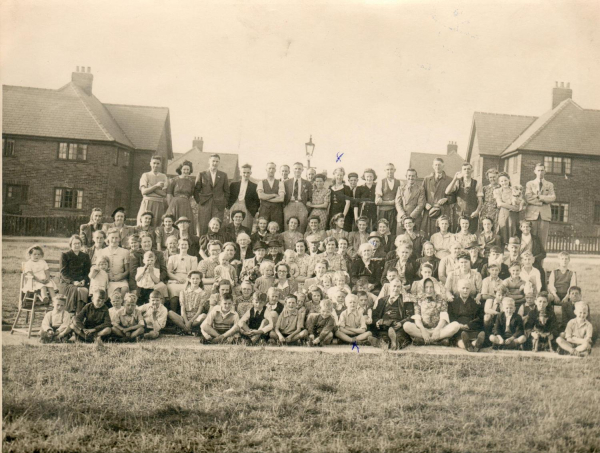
point(164, 399)
point(114, 398)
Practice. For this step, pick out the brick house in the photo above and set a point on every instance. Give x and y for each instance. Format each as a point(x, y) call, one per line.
point(65, 152)
point(423, 162)
point(566, 138)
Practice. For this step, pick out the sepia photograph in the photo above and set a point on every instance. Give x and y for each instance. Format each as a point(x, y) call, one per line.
point(312, 226)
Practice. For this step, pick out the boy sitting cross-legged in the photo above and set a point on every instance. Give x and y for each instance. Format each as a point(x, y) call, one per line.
point(320, 326)
point(508, 331)
point(93, 321)
point(128, 323)
point(351, 325)
point(389, 316)
point(290, 323)
point(56, 322)
point(541, 323)
point(155, 315)
point(577, 338)
point(221, 324)
point(254, 325)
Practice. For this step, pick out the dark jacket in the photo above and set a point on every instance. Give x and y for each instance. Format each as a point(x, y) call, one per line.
point(305, 191)
point(405, 309)
point(75, 268)
point(86, 231)
point(204, 190)
point(533, 321)
point(251, 198)
point(91, 317)
point(373, 272)
point(515, 326)
point(469, 312)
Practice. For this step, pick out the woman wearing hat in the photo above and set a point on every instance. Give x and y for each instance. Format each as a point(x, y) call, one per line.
point(125, 231)
point(236, 226)
point(180, 192)
point(86, 231)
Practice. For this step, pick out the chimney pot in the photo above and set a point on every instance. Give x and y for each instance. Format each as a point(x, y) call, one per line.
point(560, 93)
point(568, 84)
point(562, 84)
point(556, 84)
point(83, 80)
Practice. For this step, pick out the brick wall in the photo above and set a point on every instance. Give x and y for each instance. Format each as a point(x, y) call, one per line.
point(581, 190)
point(36, 164)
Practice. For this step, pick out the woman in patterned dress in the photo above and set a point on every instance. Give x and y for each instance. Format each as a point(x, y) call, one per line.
point(303, 260)
point(178, 268)
point(489, 208)
point(179, 194)
point(320, 200)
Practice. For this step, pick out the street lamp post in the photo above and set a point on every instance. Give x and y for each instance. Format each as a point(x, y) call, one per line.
point(310, 149)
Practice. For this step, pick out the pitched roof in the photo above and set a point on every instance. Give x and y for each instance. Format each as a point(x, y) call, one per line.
point(495, 132)
point(199, 159)
point(564, 129)
point(422, 162)
point(71, 113)
point(143, 125)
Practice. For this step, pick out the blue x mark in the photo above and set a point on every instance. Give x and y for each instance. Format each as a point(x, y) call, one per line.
point(339, 156)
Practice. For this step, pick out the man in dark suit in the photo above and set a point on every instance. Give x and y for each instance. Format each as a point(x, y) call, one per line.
point(467, 316)
point(298, 192)
point(243, 197)
point(211, 193)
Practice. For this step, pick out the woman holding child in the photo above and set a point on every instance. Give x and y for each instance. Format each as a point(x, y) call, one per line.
point(74, 275)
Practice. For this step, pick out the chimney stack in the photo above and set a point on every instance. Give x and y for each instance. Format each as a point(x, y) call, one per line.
point(198, 143)
point(452, 148)
point(83, 80)
point(561, 93)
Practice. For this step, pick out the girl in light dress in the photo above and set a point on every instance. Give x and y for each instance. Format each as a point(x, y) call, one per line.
point(37, 275)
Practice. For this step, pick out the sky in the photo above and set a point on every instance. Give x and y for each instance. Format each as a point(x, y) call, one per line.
point(370, 81)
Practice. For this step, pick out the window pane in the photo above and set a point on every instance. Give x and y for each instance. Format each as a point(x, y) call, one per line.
point(567, 161)
point(548, 164)
point(9, 192)
point(82, 152)
point(62, 151)
point(57, 198)
point(72, 151)
point(565, 213)
point(79, 203)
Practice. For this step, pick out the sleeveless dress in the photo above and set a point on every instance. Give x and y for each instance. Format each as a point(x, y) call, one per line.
point(182, 189)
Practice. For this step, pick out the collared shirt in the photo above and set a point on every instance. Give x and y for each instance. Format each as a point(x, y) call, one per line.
point(243, 188)
point(289, 321)
point(213, 176)
point(161, 315)
point(220, 321)
point(55, 320)
point(576, 330)
point(113, 312)
point(353, 319)
point(126, 320)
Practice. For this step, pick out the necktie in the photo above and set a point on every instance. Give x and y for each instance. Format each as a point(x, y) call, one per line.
point(541, 184)
point(296, 190)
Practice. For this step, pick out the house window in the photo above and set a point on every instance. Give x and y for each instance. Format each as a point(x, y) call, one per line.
point(560, 212)
point(15, 193)
point(124, 158)
point(72, 151)
point(597, 212)
point(557, 165)
point(68, 198)
point(8, 147)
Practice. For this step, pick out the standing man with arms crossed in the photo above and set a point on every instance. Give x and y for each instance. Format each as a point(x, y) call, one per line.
point(298, 192)
point(410, 200)
point(211, 193)
point(153, 186)
point(435, 186)
point(271, 193)
point(539, 194)
point(469, 197)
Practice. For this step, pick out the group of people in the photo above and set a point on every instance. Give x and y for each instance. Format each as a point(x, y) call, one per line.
point(288, 261)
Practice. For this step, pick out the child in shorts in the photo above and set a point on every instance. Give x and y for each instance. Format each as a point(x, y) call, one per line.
point(577, 338)
point(221, 324)
point(129, 324)
point(243, 302)
point(254, 326)
point(56, 322)
point(155, 315)
point(515, 285)
point(92, 323)
point(508, 331)
point(117, 303)
point(290, 324)
point(351, 324)
point(320, 326)
point(366, 306)
point(541, 324)
point(493, 307)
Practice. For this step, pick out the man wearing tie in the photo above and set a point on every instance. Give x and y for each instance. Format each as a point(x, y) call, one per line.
point(243, 197)
point(539, 194)
point(211, 193)
point(271, 192)
point(350, 218)
point(410, 200)
point(298, 192)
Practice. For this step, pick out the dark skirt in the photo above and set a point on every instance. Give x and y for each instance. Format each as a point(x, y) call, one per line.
point(77, 296)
